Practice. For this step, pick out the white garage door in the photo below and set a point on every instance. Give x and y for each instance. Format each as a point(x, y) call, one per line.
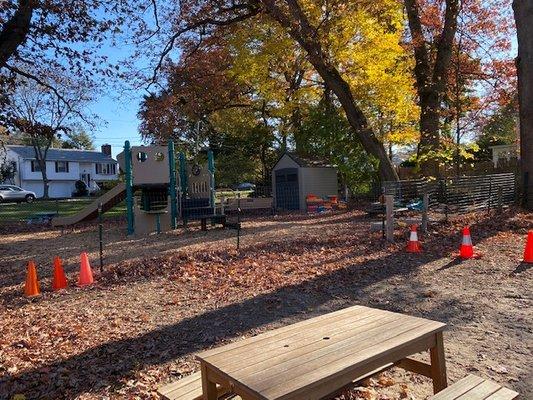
point(55, 190)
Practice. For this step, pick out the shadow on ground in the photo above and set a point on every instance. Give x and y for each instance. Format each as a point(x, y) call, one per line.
point(90, 370)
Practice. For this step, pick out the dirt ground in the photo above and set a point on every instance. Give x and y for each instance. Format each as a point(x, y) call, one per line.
point(163, 298)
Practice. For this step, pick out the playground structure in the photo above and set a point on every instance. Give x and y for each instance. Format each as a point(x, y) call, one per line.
point(156, 195)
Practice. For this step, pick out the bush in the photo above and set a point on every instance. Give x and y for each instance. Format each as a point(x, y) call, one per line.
point(81, 189)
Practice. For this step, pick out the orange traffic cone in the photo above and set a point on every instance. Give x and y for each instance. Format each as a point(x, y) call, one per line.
point(413, 246)
point(467, 250)
point(528, 251)
point(86, 274)
point(31, 288)
point(60, 280)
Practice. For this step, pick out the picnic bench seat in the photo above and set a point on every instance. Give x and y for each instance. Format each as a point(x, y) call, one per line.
point(473, 387)
point(469, 388)
point(188, 388)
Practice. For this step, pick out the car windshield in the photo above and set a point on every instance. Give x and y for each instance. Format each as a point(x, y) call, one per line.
point(15, 188)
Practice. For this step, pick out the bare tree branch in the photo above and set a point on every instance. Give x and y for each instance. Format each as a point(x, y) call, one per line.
point(251, 8)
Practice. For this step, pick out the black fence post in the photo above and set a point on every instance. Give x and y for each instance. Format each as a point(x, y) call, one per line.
point(500, 199)
point(490, 193)
point(525, 189)
point(100, 237)
point(445, 193)
point(238, 220)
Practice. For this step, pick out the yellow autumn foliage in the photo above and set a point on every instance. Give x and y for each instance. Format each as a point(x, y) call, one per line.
point(363, 40)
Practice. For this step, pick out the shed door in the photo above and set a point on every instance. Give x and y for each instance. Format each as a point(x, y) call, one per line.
point(287, 193)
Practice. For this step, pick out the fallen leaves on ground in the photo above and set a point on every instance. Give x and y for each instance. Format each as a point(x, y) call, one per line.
point(141, 324)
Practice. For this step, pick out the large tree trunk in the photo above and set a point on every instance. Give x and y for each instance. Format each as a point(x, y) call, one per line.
point(523, 12)
point(357, 120)
point(15, 30)
point(429, 131)
point(431, 79)
point(40, 157)
point(46, 184)
point(291, 17)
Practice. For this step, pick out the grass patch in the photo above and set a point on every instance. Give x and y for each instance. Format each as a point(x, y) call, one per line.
point(232, 194)
point(13, 212)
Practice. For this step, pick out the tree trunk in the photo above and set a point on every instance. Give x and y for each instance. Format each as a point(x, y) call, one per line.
point(46, 185)
point(431, 79)
point(523, 13)
point(42, 163)
point(429, 131)
point(15, 30)
point(355, 117)
point(295, 22)
point(40, 156)
point(264, 167)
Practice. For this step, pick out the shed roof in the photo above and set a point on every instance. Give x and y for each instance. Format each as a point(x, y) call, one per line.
point(27, 152)
point(306, 162)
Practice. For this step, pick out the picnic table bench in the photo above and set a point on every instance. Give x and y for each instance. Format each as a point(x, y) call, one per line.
point(475, 388)
point(42, 217)
point(318, 357)
point(188, 388)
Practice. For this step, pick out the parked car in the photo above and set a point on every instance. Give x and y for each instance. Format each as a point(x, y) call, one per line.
point(245, 186)
point(16, 194)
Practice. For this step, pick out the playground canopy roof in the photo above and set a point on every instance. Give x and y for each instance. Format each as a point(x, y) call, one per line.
point(27, 152)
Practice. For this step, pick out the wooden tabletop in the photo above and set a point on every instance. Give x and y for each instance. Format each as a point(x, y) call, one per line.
point(312, 358)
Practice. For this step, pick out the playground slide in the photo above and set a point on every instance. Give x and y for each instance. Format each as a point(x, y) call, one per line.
point(108, 201)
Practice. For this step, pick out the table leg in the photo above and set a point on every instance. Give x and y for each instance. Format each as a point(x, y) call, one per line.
point(209, 388)
point(438, 364)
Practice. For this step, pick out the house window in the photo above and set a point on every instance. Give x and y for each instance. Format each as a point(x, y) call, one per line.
point(61, 166)
point(106, 169)
point(35, 166)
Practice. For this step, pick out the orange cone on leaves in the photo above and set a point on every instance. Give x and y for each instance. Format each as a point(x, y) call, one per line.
point(86, 274)
point(60, 280)
point(467, 250)
point(31, 288)
point(528, 251)
point(413, 246)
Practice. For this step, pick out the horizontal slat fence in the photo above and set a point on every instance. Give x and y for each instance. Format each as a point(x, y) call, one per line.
point(457, 194)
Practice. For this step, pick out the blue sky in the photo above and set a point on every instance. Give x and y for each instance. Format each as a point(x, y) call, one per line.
point(121, 120)
point(118, 104)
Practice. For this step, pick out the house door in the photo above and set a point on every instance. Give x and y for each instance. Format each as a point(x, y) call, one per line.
point(86, 178)
point(287, 190)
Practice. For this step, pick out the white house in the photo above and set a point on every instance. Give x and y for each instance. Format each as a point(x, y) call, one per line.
point(504, 152)
point(63, 166)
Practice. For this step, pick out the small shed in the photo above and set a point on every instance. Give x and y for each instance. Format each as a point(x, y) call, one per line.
point(294, 177)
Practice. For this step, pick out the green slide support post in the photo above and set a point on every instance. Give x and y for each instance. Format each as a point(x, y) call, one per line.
point(129, 188)
point(183, 175)
point(172, 185)
point(183, 183)
point(211, 168)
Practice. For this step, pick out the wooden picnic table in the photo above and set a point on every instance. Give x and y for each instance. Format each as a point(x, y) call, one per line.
point(318, 356)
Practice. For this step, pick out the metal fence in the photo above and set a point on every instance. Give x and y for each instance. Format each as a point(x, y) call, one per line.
point(454, 195)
